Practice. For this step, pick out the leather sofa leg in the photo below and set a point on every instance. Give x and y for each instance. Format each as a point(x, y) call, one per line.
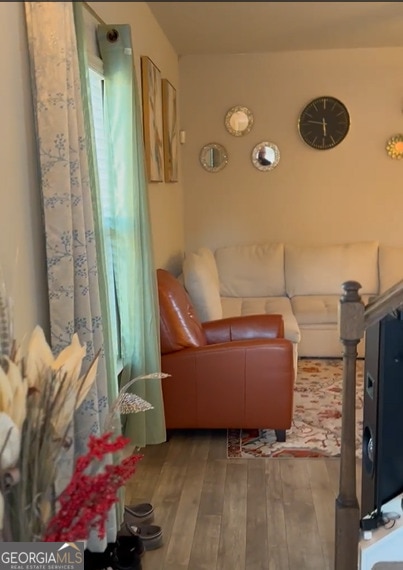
point(280, 434)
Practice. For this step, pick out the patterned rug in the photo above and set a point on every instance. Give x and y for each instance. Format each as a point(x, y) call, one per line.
point(316, 426)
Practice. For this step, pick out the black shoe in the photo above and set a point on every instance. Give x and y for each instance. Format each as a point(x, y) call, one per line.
point(96, 560)
point(127, 554)
point(124, 554)
point(131, 543)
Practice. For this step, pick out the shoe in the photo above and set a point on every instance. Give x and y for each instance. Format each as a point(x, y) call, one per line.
point(142, 513)
point(132, 543)
point(96, 560)
point(125, 555)
point(150, 535)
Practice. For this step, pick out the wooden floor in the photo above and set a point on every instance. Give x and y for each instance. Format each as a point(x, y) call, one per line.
point(236, 514)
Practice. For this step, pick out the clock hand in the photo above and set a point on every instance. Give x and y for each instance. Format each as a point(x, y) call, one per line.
point(322, 122)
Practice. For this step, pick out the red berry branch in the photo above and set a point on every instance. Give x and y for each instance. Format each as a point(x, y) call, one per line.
point(85, 502)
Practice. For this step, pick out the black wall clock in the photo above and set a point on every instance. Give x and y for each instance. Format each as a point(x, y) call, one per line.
point(324, 123)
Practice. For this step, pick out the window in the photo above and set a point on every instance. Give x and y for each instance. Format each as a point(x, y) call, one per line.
point(102, 151)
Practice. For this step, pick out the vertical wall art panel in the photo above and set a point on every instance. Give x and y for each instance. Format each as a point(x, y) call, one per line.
point(170, 131)
point(152, 119)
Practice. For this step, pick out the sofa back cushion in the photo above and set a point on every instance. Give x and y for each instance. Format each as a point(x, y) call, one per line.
point(200, 278)
point(390, 266)
point(179, 326)
point(255, 270)
point(321, 270)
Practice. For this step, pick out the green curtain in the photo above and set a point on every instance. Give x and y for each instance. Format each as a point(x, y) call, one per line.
point(134, 268)
point(109, 319)
point(108, 312)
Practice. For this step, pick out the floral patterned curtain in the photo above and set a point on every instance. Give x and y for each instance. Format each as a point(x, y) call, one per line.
point(73, 263)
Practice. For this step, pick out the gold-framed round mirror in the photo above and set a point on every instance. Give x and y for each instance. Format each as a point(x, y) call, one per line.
point(265, 156)
point(213, 157)
point(394, 147)
point(238, 120)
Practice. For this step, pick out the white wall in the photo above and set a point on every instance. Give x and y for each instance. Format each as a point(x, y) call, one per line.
point(21, 239)
point(351, 192)
point(166, 199)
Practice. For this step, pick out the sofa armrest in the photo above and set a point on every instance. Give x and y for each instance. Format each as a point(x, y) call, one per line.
point(238, 384)
point(244, 328)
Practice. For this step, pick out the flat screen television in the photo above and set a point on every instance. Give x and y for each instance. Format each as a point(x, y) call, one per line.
point(382, 450)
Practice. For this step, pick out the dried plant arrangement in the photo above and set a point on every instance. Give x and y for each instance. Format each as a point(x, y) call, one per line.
point(39, 395)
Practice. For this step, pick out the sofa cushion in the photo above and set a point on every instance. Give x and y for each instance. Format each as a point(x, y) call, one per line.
point(321, 270)
point(200, 278)
point(251, 270)
point(390, 266)
point(318, 309)
point(315, 309)
point(235, 306)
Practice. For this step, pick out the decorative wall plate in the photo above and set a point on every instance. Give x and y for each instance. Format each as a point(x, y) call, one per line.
point(394, 147)
point(213, 157)
point(265, 156)
point(238, 121)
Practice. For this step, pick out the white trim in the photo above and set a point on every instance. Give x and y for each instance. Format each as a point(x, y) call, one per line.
point(96, 63)
point(91, 24)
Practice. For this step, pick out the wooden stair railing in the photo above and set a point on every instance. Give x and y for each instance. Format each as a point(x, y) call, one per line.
point(354, 318)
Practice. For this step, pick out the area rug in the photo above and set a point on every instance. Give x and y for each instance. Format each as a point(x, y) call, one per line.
point(316, 426)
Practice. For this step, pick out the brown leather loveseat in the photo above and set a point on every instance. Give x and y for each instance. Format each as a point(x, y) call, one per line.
point(230, 373)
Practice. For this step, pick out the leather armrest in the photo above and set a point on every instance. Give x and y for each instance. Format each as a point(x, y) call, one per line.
point(245, 327)
point(241, 383)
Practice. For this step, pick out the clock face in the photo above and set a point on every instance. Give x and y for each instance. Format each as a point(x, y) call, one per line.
point(324, 123)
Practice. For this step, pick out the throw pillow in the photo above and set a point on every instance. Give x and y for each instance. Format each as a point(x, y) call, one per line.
point(201, 282)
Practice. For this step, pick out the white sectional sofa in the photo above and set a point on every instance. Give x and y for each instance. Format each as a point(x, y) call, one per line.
point(301, 282)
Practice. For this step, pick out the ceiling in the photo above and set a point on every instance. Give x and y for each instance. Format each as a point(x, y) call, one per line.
point(258, 27)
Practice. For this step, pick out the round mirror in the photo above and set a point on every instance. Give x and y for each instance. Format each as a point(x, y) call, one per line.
point(213, 157)
point(394, 147)
point(238, 121)
point(265, 156)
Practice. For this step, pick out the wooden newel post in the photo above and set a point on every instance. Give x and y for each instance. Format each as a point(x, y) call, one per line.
point(347, 520)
